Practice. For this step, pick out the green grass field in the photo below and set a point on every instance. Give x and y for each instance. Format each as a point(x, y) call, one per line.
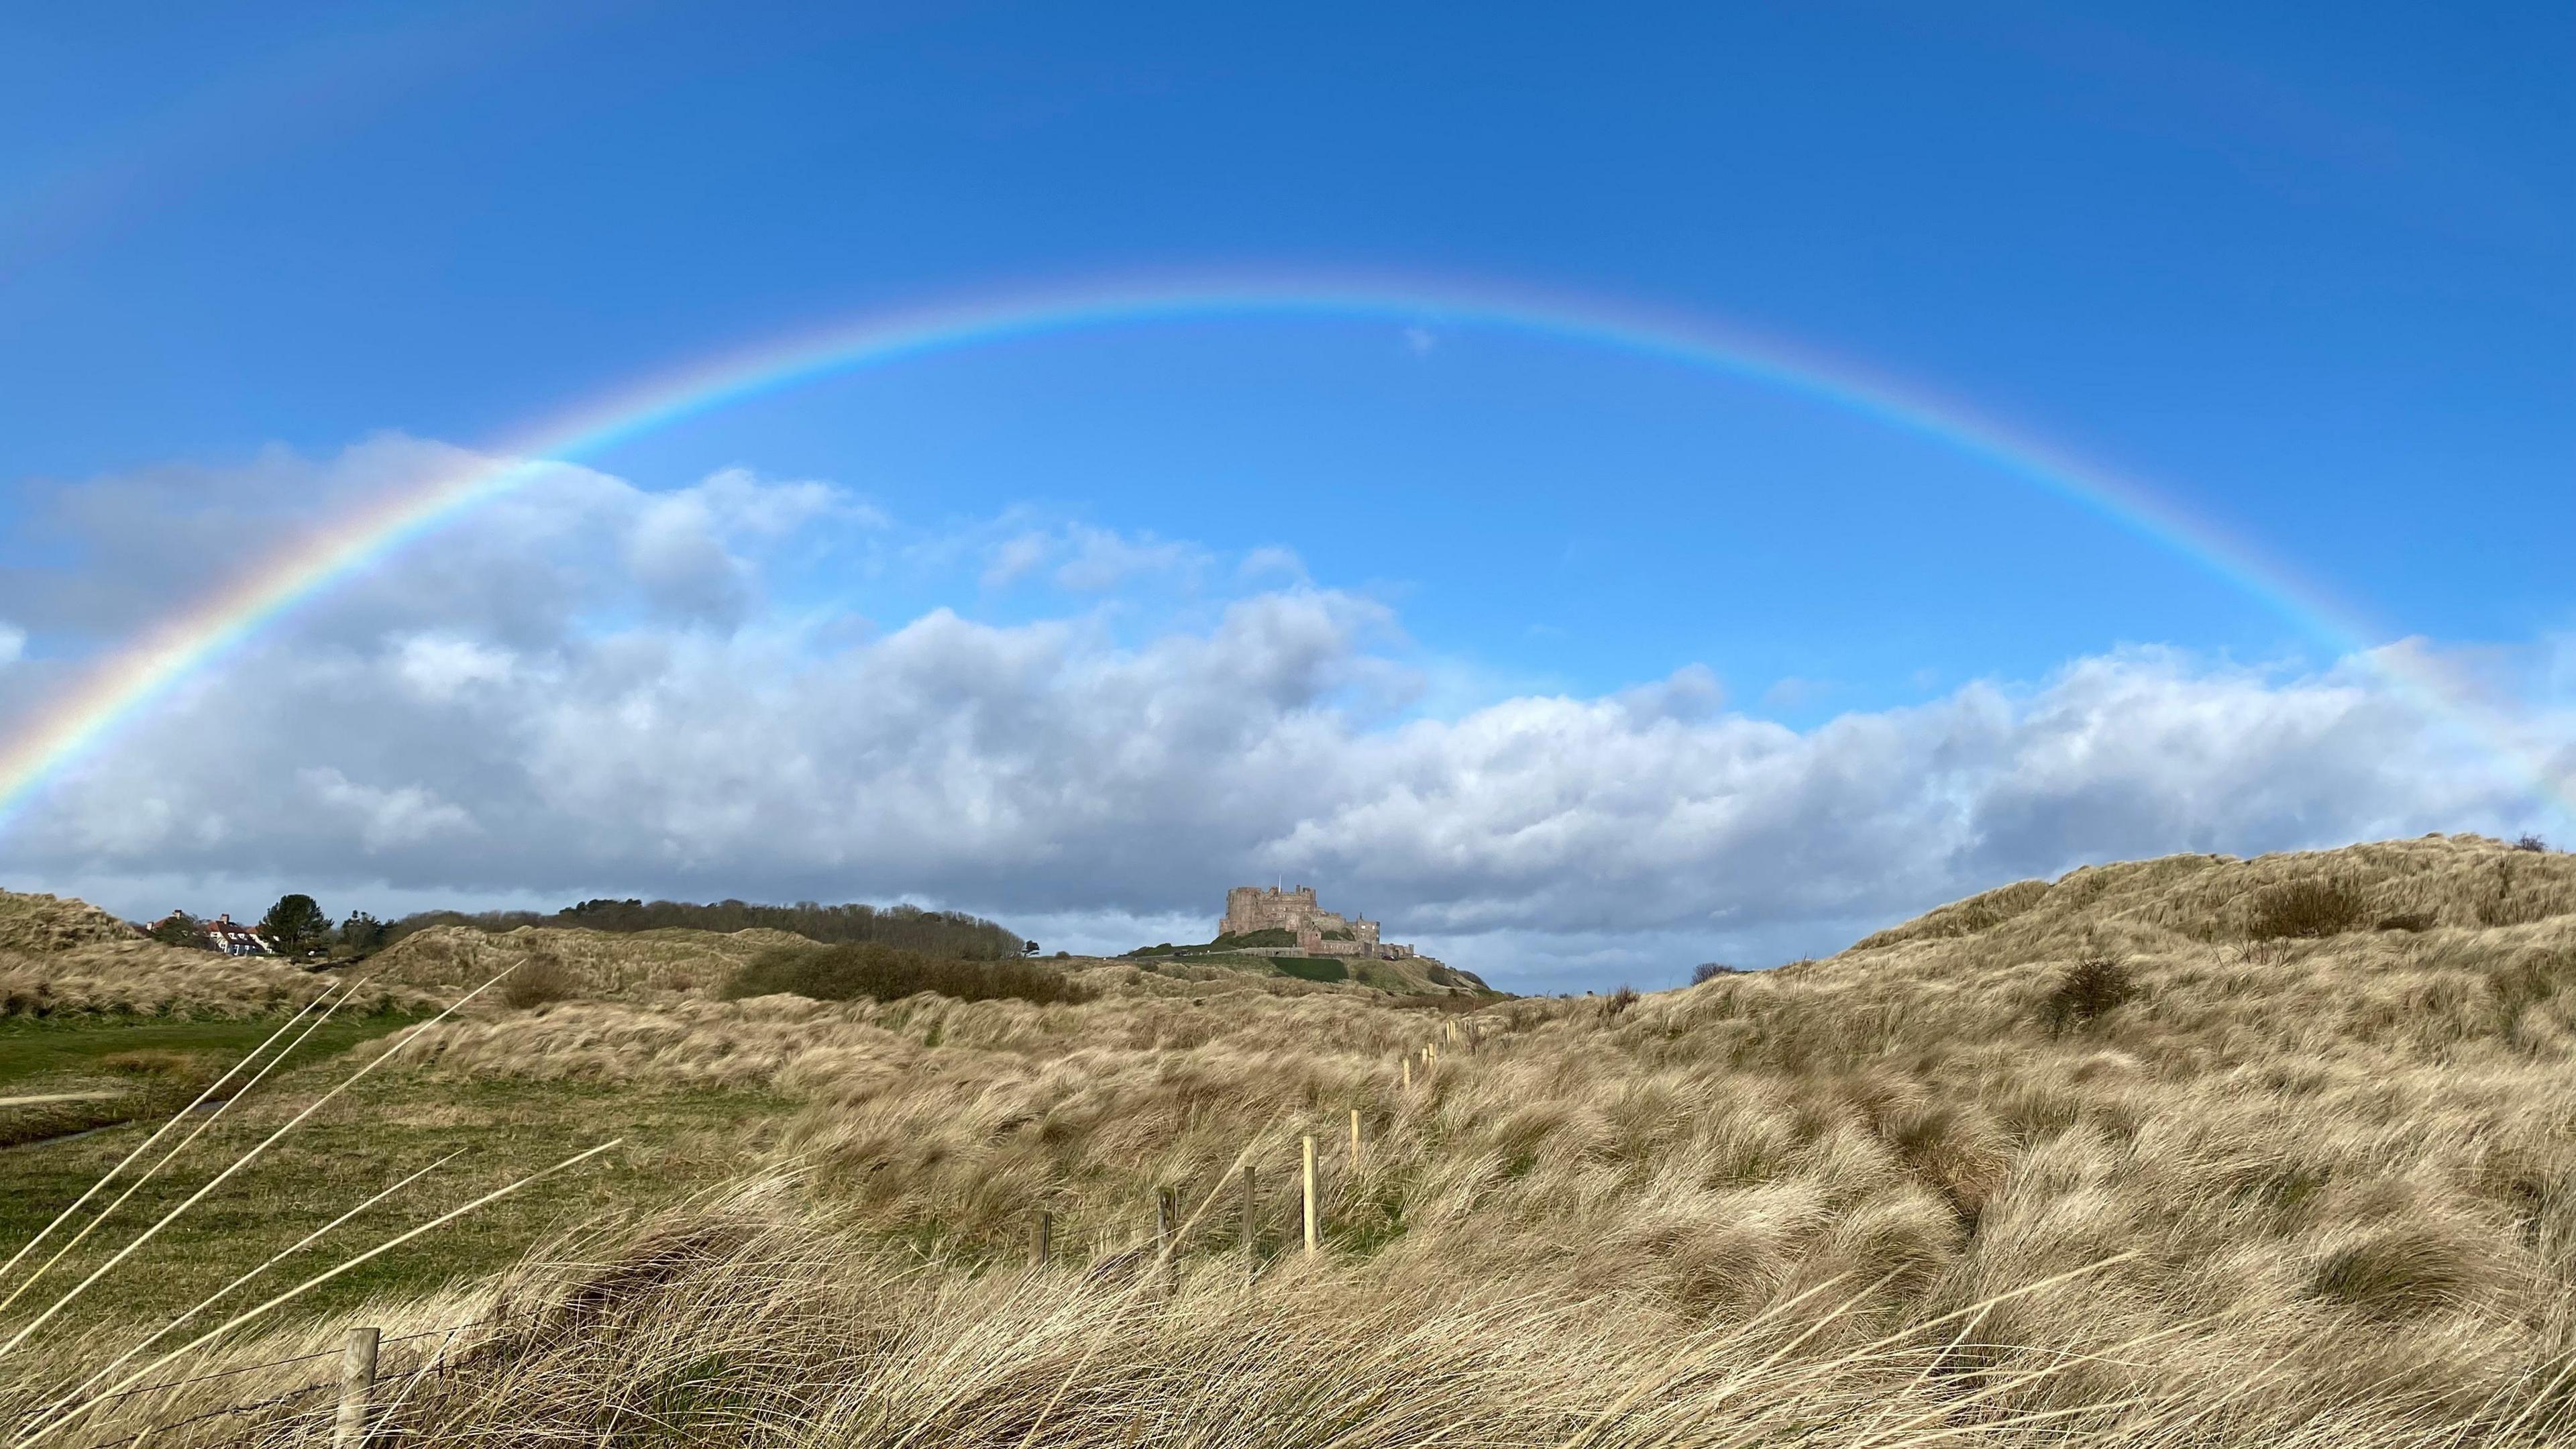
point(389, 1125)
point(37, 1053)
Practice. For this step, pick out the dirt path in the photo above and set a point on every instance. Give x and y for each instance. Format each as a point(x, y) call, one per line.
point(58, 1097)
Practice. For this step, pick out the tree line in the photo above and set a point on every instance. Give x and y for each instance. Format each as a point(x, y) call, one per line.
point(298, 927)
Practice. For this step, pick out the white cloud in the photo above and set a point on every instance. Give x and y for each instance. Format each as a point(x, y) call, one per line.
point(1090, 560)
point(384, 817)
point(1271, 561)
point(564, 544)
point(435, 668)
point(591, 734)
point(1015, 558)
point(13, 644)
point(1103, 559)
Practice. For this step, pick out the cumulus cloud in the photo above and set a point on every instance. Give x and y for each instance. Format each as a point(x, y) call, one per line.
point(1272, 561)
point(435, 667)
point(1014, 559)
point(641, 729)
point(1087, 559)
point(1102, 558)
point(382, 816)
point(108, 557)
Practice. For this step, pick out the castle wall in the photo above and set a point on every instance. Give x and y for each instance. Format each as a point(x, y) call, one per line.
point(1257, 908)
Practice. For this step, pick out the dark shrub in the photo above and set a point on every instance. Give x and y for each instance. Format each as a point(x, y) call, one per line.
point(1710, 971)
point(2532, 843)
point(1620, 1000)
point(1312, 968)
point(890, 973)
point(2411, 921)
point(2089, 989)
point(539, 980)
point(180, 929)
point(2305, 908)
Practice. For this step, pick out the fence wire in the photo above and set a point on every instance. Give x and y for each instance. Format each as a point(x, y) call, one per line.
point(129, 1436)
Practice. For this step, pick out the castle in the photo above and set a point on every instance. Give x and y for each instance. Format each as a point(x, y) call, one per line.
point(1319, 932)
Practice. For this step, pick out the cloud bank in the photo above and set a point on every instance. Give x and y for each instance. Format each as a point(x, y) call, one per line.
point(597, 688)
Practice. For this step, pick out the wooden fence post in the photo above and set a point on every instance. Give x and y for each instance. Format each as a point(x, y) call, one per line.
point(1408, 1073)
point(1046, 1236)
point(357, 1382)
point(1314, 1237)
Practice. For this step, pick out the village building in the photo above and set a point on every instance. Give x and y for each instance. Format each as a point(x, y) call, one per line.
point(1316, 931)
point(235, 939)
point(224, 934)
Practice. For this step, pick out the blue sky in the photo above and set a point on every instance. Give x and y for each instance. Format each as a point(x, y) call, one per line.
point(2301, 272)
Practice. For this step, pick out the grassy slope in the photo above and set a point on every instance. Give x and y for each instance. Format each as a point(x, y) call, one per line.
point(1416, 976)
point(2342, 1173)
point(42, 923)
point(599, 963)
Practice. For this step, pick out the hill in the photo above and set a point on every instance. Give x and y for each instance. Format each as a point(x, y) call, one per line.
point(946, 933)
point(2405, 885)
point(638, 965)
point(67, 957)
point(1221, 959)
point(2193, 1151)
point(573, 962)
point(39, 923)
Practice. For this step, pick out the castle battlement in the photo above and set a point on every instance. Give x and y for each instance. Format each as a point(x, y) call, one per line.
point(1319, 932)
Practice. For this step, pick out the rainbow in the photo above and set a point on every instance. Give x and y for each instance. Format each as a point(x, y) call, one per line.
point(131, 679)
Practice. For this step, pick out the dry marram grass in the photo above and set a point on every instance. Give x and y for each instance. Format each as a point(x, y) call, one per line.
point(2106, 1160)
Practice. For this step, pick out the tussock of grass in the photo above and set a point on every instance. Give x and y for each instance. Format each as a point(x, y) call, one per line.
point(2087, 990)
point(541, 980)
point(2310, 907)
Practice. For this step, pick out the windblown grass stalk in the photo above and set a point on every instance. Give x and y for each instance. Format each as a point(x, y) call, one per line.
point(48, 1427)
point(244, 1160)
point(300, 1244)
point(140, 1149)
point(756, 1321)
point(205, 1124)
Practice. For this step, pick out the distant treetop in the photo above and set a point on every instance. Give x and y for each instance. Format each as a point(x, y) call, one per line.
point(939, 933)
